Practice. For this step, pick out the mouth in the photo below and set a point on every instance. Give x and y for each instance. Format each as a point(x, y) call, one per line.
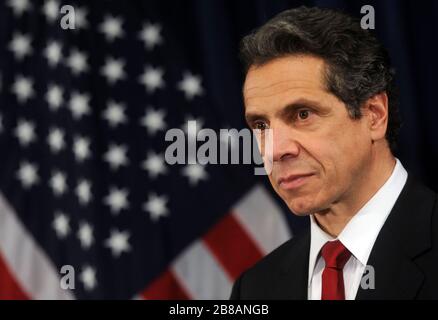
point(293, 181)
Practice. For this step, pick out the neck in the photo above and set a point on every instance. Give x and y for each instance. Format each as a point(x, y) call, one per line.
point(333, 219)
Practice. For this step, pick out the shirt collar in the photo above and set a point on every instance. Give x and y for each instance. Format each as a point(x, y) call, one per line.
point(367, 222)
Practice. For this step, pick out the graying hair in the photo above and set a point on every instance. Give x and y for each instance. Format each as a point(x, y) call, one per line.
point(357, 65)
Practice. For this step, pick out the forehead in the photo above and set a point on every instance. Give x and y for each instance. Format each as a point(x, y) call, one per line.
point(302, 73)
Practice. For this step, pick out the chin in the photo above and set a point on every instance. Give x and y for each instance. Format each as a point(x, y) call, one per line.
point(300, 207)
point(300, 214)
point(303, 206)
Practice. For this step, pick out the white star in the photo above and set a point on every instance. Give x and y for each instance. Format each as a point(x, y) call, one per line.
point(83, 191)
point(23, 89)
point(118, 242)
point(20, 46)
point(27, 174)
point(80, 18)
point(51, 10)
point(150, 34)
point(55, 139)
point(61, 224)
point(113, 70)
point(153, 120)
point(81, 148)
point(88, 278)
point(77, 62)
point(85, 235)
point(53, 53)
point(25, 132)
point(116, 156)
point(58, 183)
point(156, 206)
point(152, 78)
point(114, 114)
point(191, 85)
point(54, 96)
point(195, 173)
point(79, 105)
point(112, 28)
point(19, 6)
point(154, 164)
point(117, 200)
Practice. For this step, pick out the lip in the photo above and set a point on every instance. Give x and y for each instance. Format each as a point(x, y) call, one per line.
point(293, 181)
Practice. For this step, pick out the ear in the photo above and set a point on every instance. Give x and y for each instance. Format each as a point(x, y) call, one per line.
point(376, 111)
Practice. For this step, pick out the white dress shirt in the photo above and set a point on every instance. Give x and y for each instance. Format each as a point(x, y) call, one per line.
point(358, 236)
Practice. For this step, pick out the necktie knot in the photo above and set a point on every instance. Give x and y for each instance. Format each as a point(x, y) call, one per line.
point(335, 255)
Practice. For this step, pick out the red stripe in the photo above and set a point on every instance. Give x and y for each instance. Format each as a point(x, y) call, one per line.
point(232, 246)
point(9, 287)
point(165, 287)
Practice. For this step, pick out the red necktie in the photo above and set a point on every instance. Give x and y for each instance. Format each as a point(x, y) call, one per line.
point(335, 256)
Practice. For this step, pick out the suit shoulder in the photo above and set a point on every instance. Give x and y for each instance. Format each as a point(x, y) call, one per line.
point(277, 257)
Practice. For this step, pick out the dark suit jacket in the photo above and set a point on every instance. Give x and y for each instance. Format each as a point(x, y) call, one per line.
point(404, 257)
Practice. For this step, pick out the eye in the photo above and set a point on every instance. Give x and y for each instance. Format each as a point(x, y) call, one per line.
point(260, 125)
point(303, 114)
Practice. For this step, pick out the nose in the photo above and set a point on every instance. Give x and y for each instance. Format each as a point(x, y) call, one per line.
point(285, 145)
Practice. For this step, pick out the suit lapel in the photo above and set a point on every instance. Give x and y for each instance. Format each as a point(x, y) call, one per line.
point(396, 276)
point(404, 236)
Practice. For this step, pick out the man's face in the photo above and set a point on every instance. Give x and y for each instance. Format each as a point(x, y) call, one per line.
point(320, 154)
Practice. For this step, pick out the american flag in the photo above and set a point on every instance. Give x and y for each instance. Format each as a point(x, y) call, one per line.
point(83, 181)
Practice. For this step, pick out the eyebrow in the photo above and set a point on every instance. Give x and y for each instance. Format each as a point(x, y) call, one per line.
point(286, 110)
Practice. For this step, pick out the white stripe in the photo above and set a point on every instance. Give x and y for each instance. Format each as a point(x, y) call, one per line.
point(200, 274)
point(30, 266)
point(261, 217)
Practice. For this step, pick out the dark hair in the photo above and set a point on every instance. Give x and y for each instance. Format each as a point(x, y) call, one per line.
point(357, 65)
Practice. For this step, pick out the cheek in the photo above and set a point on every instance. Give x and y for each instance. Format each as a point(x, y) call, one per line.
point(343, 143)
point(334, 155)
point(342, 157)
